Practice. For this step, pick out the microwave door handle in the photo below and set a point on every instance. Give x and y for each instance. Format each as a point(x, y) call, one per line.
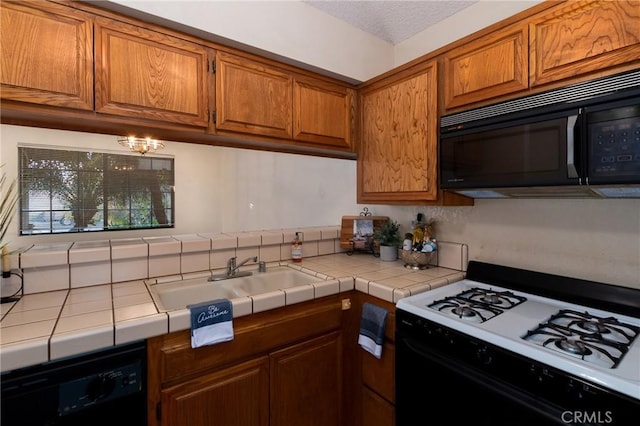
point(571, 153)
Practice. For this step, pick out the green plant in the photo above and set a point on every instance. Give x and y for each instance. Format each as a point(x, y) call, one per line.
point(388, 234)
point(7, 207)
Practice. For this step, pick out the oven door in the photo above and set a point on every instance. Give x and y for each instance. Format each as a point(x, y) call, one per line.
point(453, 392)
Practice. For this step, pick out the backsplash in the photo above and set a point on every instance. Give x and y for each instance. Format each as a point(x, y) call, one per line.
point(59, 266)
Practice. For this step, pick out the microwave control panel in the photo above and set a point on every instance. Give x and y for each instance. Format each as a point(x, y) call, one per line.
point(615, 147)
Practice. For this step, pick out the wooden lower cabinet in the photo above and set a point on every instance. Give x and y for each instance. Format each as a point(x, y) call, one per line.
point(237, 395)
point(284, 367)
point(376, 411)
point(305, 382)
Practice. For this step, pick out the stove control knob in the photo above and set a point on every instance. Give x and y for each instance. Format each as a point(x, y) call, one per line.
point(484, 355)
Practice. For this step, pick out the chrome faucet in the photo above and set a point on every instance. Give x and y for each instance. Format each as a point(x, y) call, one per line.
point(232, 269)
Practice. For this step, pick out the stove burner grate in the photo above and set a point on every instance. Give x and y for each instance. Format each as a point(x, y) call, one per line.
point(594, 339)
point(477, 304)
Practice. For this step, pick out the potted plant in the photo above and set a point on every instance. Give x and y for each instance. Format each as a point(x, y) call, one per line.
point(387, 236)
point(7, 207)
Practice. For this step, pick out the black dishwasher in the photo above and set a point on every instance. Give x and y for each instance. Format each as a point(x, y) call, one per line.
point(106, 387)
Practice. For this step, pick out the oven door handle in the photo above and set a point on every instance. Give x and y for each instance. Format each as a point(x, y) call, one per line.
point(552, 412)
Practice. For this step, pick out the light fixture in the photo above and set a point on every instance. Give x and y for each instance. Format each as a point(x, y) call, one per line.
point(141, 145)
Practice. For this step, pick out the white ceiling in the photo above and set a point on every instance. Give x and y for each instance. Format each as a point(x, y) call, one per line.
point(391, 21)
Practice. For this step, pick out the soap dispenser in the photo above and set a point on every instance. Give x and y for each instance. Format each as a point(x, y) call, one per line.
point(296, 248)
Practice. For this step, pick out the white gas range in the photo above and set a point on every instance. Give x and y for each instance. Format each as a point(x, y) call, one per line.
point(515, 341)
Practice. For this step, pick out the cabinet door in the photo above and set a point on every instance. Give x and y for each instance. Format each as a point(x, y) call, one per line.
point(491, 66)
point(586, 36)
point(47, 55)
point(398, 156)
point(306, 383)
point(376, 411)
point(236, 396)
point(252, 97)
point(146, 74)
point(322, 113)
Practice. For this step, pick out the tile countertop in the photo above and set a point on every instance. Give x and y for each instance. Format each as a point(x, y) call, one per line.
point(57, 324)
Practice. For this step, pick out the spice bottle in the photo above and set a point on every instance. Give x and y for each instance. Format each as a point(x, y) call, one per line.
point(296, 248)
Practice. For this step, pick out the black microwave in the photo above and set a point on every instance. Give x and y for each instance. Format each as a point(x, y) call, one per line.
point(578, 141)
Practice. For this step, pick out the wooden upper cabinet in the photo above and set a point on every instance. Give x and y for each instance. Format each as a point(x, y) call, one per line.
point(397, 157)
point(582, 37)
point(47, 55)
point(147, 74)
point(491, 66)
point(252, 97)
point(322, 112)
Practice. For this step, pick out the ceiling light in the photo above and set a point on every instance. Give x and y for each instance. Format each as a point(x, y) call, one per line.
point(141, 145)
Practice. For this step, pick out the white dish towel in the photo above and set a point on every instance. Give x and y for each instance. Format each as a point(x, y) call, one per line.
point(211, 322)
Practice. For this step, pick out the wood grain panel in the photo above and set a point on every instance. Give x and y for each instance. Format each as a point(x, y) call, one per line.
point(398, 156)
point(376, 411)
point(253, 97)
point(585, 36)
point(491, 66)
point(236, 396)
point(47, 55)
point(143, 73)
point(306, 383)
point(322, 112)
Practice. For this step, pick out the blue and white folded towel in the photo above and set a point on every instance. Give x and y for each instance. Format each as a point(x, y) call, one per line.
point(372, 324)
point(211, 322)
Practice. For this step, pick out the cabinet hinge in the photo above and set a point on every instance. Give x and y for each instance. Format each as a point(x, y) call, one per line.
point(213, 66)
point(213, 117)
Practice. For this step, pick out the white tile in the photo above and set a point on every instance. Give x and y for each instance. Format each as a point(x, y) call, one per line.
point(141, 328)
point(242, 306)
point(326, 247)
point(179, 320)
point(89, 274)
point(221, 241)
point(41, 255)
point(33, 315)
point(28, 331)
point(329, 232)
point(161, 246)
point(131, 300)
point(326, 288)
point(271, 238)
point(81, 341)
point(269, 253)
point(346, 284)
point(129, 248)
point(24, 353)
point(381, 291)
point(247, 239)
point(41, 300)
point(130, 312)
point(218, 258)
point(192, 243)
point(128, 288)
point(88, 294)
point(267, 301)
point(452, 255)
point(86, 321)
point(299, 294)
point(194, 261)
point(129, 269)
point(46, 278)
point(71, 309)
point(90, 251)
point(164, 265)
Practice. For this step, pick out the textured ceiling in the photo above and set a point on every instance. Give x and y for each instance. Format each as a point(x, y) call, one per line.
point(392, 21)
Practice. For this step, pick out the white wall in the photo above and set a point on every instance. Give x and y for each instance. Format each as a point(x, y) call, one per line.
point(217, 189)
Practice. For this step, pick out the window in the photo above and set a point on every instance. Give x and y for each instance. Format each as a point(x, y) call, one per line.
point(79, 191)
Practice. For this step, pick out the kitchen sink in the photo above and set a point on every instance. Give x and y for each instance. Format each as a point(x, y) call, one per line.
point(174, 295)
